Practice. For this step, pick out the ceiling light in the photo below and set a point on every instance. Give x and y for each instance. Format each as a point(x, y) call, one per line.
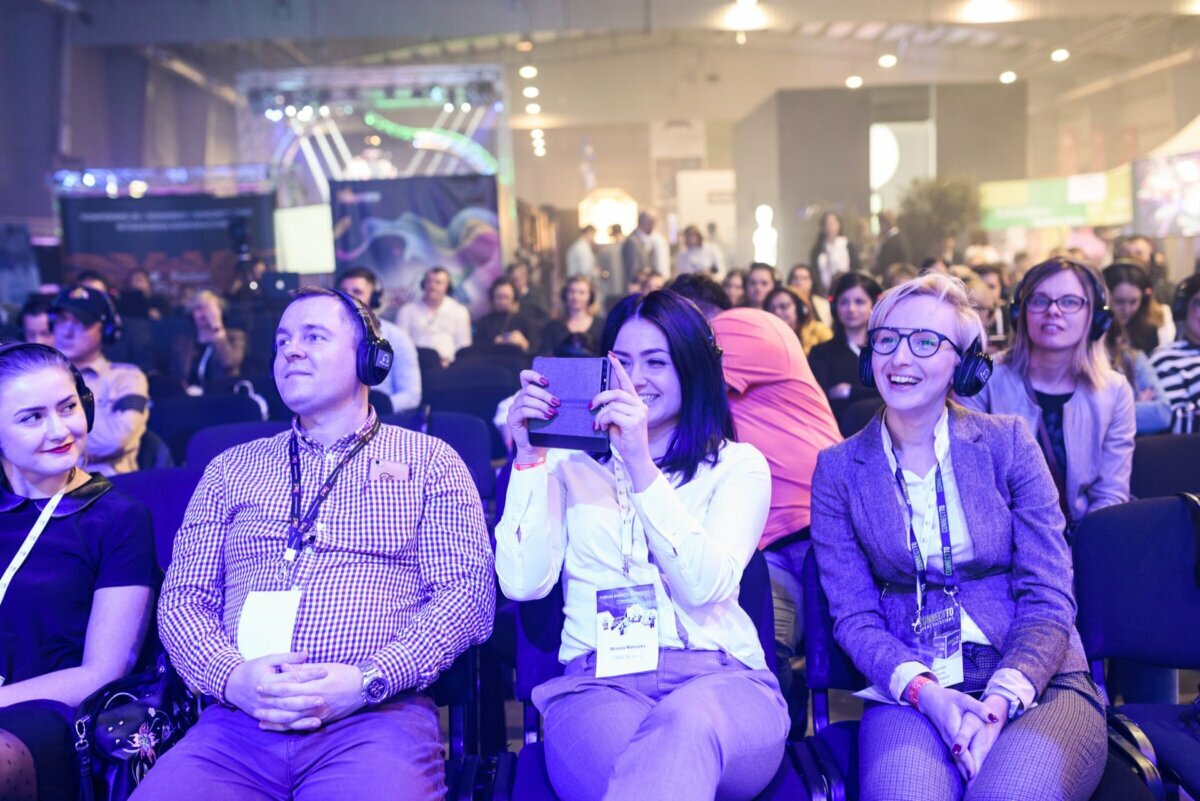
point(745, 15)
point(888, 60)
point(530, 92)
point(537, 133)
point(854, 82)
point(539, 153)
point(525, 45)
point(533, 108)
point(1061, 54)
point(1008, 76)
point(984, 11)
point(528, 71)
point(448, 108)
point(740, 38)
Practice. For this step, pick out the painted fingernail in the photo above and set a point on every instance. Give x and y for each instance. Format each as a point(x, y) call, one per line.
point(549, 414)
point(589, 404)
point(545, 382)
point(993, 719)
point(956, 750)
point(556, 402)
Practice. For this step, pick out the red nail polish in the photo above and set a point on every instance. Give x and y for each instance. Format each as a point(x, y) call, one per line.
point(589, 405)
point(545, 382)
point(956, 750)
point(993, 719)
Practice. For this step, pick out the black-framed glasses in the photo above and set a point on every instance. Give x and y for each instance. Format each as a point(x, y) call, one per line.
point(922, 342)
point(1067, 304)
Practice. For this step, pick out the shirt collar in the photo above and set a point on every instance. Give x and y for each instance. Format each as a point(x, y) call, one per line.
point(99, 367)
point(74, 501)
point(343, 444)
point(941, 440)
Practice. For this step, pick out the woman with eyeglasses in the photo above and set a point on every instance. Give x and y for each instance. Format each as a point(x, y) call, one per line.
point(1058, 378)
point(937, 533)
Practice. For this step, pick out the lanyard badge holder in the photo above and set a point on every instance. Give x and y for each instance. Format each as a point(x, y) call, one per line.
point(938, 627)
point(267, 620)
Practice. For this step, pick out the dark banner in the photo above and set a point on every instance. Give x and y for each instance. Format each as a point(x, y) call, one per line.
point(402, 227)
point(181, 240)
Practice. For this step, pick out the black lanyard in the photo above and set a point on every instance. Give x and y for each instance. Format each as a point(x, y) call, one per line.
point(951, 586)
point(299, 527)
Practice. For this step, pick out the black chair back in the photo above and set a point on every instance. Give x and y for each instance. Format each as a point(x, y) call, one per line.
point(827, 666)
point(469, 437)
point(858, 414)
point(473, 390)
point(166, 493)
point(1137, 582)
point(208, 443)
point(177, 419)
point(1165, 464)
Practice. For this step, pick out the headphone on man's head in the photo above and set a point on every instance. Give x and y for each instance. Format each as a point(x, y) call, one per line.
point(449, 278)
point(367, 274)
point(373, 361)
point(1102, 316)
point(111, 325)
point(970, 376)
point(87, 399)
point(1184, 291)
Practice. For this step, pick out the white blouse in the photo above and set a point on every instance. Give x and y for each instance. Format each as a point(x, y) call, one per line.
point(570, 517)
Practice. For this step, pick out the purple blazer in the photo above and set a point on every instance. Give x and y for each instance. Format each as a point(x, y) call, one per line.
point(1018, 587)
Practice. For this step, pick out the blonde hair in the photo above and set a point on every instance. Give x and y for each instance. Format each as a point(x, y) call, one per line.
point(1090, 360)
point(945, 289)
point(206, 296)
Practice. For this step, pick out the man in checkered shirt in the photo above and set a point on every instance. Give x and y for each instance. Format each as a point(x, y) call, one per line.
point(394, 579)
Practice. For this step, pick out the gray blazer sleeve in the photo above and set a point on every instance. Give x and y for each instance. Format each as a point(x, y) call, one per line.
point(1042, 575)
point(846, 576)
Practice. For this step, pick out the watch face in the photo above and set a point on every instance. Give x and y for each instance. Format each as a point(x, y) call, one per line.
point(376, 689)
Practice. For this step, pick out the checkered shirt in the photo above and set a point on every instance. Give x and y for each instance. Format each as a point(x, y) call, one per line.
point(401, 572)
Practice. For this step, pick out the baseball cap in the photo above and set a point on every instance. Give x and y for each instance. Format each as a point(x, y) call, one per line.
point(87, 304)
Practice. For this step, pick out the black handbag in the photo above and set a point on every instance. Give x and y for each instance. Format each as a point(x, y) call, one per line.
point(124, 727)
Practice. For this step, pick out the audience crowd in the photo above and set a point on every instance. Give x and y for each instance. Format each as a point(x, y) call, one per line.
point(932, 436)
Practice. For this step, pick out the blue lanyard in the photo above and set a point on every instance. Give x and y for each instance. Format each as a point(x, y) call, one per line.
point(299, 527)
point(951, 586)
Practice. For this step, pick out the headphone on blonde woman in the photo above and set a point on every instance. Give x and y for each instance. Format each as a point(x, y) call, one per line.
point(970, 376)
point(87, 400)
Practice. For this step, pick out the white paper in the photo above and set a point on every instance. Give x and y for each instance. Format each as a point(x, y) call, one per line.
point(626, 631)
point(267, 623)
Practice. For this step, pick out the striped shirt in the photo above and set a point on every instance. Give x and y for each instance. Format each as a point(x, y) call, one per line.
point(400, 572)
point(1178, 368)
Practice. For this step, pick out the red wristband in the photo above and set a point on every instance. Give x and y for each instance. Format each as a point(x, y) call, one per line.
point(914, 689)
point(529, 465)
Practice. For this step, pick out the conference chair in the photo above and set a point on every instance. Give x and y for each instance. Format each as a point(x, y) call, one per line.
point(1165, 464)
point(469, 436)
point(523, 777)
point(475, 390)
point(177, 419)
point(829, 764)
point(208, 443)
point(166, 493)
point(856, 416)
point(1137, 583)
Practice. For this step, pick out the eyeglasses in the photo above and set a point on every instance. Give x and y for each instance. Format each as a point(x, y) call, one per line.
point(922, 342)
point(1067, 304)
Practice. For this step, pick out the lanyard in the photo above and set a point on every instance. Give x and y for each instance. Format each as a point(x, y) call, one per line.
point(951, 586)
point(30, 541)
point(627, 516)
point(299, 527)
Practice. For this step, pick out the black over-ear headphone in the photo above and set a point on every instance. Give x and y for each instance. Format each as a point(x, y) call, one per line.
point(1102, 317)
point(972, 374)
point(373, 361)
point(449, 279)
point(87, 399)
point(367, 274)
point(1184, 291)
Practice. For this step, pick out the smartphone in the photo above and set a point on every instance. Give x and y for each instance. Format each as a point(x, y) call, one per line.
point(574, 382)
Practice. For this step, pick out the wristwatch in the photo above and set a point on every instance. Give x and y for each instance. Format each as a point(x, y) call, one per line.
point(375, 687)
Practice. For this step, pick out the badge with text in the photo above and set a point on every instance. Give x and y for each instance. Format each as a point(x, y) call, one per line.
point(939, 642)
point(626, 631)
point(267, 622)
point(387, 471)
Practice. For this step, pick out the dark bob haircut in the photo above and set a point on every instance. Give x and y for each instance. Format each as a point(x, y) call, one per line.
point(843, 284)
point(705, 421)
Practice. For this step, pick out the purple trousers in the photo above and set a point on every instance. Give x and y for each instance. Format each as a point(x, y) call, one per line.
point(376, 753)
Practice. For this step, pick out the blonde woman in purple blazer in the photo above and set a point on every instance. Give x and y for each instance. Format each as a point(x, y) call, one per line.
point(981, 689)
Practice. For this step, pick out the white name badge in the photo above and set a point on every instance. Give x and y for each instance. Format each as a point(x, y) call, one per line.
point(267, 623)
point(939, 643)
point(626, 631)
